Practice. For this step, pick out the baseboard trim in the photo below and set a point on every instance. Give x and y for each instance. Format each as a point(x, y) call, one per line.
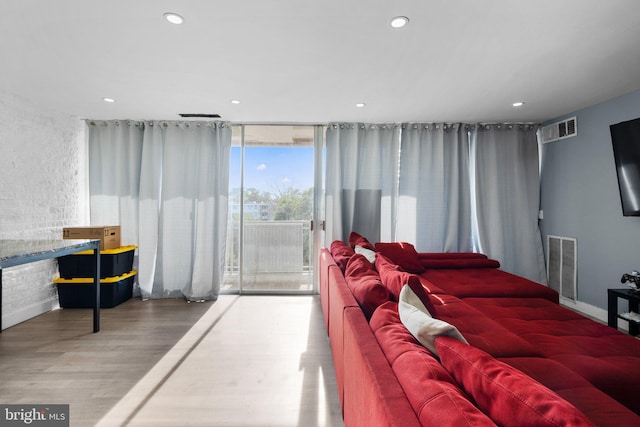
point(592, 311)
point(26, 313)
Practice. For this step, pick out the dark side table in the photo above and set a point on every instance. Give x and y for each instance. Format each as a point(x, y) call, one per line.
point(634, 299)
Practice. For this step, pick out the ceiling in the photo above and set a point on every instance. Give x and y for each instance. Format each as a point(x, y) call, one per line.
point(304, 61)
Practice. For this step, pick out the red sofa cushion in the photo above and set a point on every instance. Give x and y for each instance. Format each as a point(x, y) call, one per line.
point(433, 394)
point(359, 265)
point(356, 239)
point(600, 408)
point(449, 255)
point(607, 358)
point(394, 279)
point(487, 282)
point(461, 263)
point(403, 254)
point(365, 284)
point(421, 323)
point(618, 376)
point(525, 309)
point(480, 330)
point(341, 253)
point(386, 325)
point(504, 393)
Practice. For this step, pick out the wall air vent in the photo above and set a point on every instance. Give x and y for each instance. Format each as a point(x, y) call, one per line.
point(562, 265)
point(560, 130)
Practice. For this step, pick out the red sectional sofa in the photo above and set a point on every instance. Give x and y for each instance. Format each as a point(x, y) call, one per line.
point(528, 361)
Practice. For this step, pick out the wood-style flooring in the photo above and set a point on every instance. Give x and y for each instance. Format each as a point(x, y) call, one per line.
point(241, 361)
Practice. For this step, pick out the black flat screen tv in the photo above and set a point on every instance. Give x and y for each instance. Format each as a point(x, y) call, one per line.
point(625, 137)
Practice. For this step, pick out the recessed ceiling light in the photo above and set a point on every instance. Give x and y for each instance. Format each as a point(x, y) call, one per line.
point(174, 18)
point(360, 104)
point(399, 21)
point(518, 104)
point(235, 101)
point(108, 100)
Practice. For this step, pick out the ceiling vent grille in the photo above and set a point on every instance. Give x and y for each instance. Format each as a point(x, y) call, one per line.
point(560, 130)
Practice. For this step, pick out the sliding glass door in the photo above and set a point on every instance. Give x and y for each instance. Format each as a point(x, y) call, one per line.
point(270, 248)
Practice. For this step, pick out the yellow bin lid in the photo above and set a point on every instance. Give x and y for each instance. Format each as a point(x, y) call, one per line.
point(115, 251)
point(86, 280)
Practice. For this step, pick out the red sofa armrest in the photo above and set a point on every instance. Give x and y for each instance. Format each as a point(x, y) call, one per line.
point(326, 263)
point(340, 297)
point(372, 394)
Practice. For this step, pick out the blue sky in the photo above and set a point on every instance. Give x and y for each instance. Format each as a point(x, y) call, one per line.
point(270, 168)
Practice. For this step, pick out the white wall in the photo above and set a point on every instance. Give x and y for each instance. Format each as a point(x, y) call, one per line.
point(43, 188)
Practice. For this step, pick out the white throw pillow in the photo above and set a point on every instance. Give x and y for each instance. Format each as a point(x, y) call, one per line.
point(424, 327)
point(368, 253)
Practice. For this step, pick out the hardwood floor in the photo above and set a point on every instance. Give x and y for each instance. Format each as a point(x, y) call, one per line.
point(241, 361)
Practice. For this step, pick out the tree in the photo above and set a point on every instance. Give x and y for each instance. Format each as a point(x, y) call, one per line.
point(293, 204)
point(253, 195)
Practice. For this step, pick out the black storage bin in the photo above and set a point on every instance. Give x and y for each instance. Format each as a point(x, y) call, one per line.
point(113, 262)
point(78, 293)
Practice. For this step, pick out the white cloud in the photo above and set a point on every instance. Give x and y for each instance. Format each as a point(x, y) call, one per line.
point(286, 180)
point(261, 167)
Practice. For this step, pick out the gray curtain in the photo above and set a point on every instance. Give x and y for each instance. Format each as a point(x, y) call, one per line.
point(446, 188)
point(115, 155)
point(361, 180)
point(434, 208)
point(506, 197)
point(166, 184)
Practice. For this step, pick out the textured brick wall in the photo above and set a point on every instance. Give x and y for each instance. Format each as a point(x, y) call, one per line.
point(42, 189)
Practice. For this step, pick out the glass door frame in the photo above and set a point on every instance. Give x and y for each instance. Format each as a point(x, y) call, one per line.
point(317, 213)
point(318, 224)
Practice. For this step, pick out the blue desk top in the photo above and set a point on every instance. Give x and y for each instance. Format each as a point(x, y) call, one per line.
point(17, 252)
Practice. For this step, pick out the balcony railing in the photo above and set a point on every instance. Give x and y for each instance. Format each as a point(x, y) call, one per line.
point(277, 256)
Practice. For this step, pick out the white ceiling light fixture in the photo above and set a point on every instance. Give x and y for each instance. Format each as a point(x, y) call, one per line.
point(109, 100)
point(235, 101)
point(518, 104)
point(399, 21)
point(360, 104)
point(174, 18)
